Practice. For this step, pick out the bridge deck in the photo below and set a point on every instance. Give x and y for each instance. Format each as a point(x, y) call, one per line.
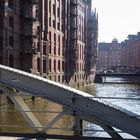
point(119, 74)
point(81, 103)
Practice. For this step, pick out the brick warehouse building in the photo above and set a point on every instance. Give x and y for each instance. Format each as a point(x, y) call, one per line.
point(109, 54)
point(131, 50)
point(126, 53)
point(56, 39)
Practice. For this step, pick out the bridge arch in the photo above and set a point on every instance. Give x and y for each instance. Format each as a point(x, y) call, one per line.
point(121, 69)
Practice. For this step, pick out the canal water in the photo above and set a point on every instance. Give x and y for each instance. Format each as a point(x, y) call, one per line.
point(126, 96)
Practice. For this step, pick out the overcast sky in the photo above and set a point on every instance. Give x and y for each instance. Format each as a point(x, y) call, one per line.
point(117, 18)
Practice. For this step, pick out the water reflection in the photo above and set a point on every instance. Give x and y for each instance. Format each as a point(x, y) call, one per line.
point(126, 96)
point(129, 95)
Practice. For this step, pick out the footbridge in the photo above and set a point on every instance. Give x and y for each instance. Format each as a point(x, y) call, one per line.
point(130, 69)
point(80, 104)
point(131, 74)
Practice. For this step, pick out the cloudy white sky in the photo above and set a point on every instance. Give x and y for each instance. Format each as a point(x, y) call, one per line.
point(117, 18)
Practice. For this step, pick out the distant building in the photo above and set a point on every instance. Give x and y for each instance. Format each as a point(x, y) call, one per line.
point(126, 53)
point(130, 50)
point(56, 39)
point(109, 54)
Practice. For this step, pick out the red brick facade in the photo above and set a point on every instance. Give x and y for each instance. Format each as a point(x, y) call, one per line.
point(109, 54)
point(131, 51)
point(126, 53)
point(50, 38)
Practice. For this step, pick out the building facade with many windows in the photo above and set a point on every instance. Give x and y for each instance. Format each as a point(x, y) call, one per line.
point(56, 39)
point(130, 50)
point(126, 53)
point(109, 54)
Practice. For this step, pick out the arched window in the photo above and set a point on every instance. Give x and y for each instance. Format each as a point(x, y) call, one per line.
point(63, 66)
point(54, 44)
point(55, 65)
point(59, 65)
point(44, 66)
point(50, 47)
